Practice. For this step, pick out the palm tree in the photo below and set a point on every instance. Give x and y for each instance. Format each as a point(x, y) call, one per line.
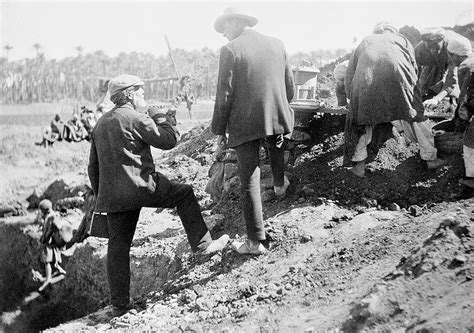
point(7, 49)
point(37, 47)
point(79, 50)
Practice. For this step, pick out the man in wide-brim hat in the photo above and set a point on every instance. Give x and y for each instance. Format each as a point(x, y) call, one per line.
point(254, 89)
point(232, 14)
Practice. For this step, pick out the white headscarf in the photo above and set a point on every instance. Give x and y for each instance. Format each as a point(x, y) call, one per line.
point(459, 45)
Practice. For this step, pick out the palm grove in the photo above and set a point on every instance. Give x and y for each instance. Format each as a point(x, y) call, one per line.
point(39, 79)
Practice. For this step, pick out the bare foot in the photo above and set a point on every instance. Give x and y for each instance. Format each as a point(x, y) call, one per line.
point(358, 169)
point(37, 276)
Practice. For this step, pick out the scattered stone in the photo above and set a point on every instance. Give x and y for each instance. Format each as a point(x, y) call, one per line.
point(460, 258)
point(306, 238)
point(394, 207)
point(415, 210)
point(308, 190)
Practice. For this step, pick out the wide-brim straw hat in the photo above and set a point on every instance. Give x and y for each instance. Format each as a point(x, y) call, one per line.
point(233, 13)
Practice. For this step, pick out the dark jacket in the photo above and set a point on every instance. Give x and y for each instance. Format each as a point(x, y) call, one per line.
point(466, 96)
point(435, 72)
point(254, 88)
point(381, 81)
point(121, 168)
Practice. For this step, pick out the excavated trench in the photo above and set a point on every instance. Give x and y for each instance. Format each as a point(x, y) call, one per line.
point(83, 291)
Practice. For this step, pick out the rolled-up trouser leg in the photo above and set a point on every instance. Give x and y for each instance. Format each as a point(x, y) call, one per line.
point(277, 161)
point(360, 152)
point(420, 132)
point(248, 161)
point(468, 156)
point(182, 197)
point(121, 227)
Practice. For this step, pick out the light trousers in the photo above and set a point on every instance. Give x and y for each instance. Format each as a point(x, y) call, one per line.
point(416, 132)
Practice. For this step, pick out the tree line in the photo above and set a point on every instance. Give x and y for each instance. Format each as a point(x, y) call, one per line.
point(83, 77)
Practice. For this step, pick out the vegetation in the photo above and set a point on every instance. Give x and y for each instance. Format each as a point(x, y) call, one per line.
point(82, 77)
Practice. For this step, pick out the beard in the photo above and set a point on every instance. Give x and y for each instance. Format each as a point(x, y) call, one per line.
point(140, 104)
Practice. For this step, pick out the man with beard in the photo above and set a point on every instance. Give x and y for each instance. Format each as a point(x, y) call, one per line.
point(123, 178)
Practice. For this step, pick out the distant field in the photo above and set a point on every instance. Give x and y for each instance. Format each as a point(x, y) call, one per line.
point(40, 114)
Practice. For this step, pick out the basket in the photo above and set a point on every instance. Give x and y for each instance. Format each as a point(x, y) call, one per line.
point(449, 142)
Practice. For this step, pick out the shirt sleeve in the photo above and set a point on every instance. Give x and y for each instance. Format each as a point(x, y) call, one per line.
point(351, 68)
point(451, 81)
point(224, 94)
point(93, 168)
point(289, 79)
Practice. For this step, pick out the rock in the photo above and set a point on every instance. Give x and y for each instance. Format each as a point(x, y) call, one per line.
point(415, 210)
point(203, 303)
point(308, 190)
point(64, 204)
point(14, 209)
point(460, 258)
point(188, 296)
point(306, 238)
point(394, 207)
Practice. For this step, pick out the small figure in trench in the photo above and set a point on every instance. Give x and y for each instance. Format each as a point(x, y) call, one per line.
point(53, 245)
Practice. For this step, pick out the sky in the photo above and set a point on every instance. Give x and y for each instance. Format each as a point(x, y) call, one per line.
point(127, 26)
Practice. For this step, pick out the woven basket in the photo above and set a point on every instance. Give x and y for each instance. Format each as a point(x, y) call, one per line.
point(449, 142)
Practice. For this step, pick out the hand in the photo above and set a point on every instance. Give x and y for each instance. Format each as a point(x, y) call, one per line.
point(463, 112)
point(222, 141)
point(157, 113)
point(432, 102)
point(221, 147)
point(171, 116)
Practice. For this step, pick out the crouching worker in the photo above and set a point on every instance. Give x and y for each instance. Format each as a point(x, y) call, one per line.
point(460, 51)
point(53, 245)
point(124, 180)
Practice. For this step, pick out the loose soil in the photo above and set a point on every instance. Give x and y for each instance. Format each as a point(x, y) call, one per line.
point(390, 252)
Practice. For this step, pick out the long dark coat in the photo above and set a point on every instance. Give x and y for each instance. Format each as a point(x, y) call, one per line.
point(121, 168)
point(381, 81)
point(466, 82)
point(254, 88)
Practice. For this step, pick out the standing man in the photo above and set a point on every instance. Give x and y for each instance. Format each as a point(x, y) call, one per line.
point(124, 180)
point(460, 50)
point(254, 89)
point(381, 85)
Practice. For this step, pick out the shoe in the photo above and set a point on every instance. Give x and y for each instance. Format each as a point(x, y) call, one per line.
point(437, 163)
point(216, 245)
point(358, 169)
point(109, 312)
point(280, 191)
point(248, 248)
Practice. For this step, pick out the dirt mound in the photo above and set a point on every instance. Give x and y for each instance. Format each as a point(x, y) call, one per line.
point(335, 241)
point(437, 273)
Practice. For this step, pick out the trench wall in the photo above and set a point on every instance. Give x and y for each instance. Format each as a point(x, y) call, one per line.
point(83, 291)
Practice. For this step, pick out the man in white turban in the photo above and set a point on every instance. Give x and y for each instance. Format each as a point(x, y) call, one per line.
point(460, 51)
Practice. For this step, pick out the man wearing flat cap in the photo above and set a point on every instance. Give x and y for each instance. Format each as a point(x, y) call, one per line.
point(123, 178)
point(437, 78)
point(254, 89)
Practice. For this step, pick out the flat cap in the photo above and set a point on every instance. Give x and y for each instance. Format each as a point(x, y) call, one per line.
point(123, 82)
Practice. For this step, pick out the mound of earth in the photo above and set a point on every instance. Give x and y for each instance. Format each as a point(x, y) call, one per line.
point(340, 247)
point(386, 253)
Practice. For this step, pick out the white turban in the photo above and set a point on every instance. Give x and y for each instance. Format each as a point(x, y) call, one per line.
point(384, 26)
point(459, 45)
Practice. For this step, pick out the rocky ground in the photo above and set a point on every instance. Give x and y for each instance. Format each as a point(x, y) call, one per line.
point(391, 252)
